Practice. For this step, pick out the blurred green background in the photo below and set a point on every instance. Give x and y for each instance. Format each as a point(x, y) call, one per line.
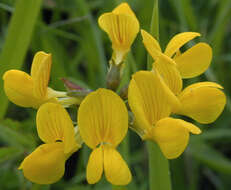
point(68, 29)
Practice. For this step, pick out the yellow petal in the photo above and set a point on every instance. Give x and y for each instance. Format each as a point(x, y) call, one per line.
point(102, 117)
point(116, 169)
point(169, 73)
point(151, 44)
point(138, 106)
point(201, 84)
point(164, 64)
point(95, 166)
point(121, 28)
point(149, 98)
point(45, 165)
point(194, 61)
point(202, 101)
point(40, 73)
point(18, 87)
point(124, 8)
point(178, 41)
point(172, 136)
point(54, 123)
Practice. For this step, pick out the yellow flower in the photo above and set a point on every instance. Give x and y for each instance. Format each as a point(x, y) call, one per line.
point(103, 123)
point(31, 90)
point(122, 26)
point(202, 101)
point(172, 65)
point(46, 164)
point(151, 102)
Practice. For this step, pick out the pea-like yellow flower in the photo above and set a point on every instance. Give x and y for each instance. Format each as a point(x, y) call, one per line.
point(202, 101)
point(172, 65)
point(103, 123)
point(151, 102)
point(46, 164)
point(122, 26)
point(31, 90)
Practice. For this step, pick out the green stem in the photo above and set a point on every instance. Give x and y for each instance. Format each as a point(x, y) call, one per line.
point(179, 177)
point(69, 101)
point(159, 175)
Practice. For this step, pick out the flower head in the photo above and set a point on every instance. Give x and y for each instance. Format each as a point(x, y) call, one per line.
point(103, 123)
point(202, 101)
point(173, 65)
point(46, 164)
point(152, 102)
point(122, 26)
point(30, 90)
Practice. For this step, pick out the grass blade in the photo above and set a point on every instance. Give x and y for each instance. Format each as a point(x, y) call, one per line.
point(154, 28)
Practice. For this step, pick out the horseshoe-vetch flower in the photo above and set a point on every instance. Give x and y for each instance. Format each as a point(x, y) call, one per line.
point(103, 123)
point(173, 65)
point(31, 90)
point(203, 101)
point(46, 164)
point(122, 26)
point(151, 102)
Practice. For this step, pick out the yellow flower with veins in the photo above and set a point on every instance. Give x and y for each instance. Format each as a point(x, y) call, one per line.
point(46, 164)
point(103, 123)
point(122, 26)
point(151, 102)
point(31, 90)
point(172, 65)
point(203, 101)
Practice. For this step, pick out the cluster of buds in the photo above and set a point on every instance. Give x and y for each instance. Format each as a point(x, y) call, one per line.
point(103, 117)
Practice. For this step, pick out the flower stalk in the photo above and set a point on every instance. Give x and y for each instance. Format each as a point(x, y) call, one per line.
point(113, 75)
point(159, 175)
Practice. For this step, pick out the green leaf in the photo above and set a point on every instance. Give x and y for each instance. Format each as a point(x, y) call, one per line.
point(217, 34)
point(217, 134)
point(7, 153)
point(154, 29)
point(91, 45)
point(209, 156)
point(15, 138)
point(40, 187)
point(79, 187)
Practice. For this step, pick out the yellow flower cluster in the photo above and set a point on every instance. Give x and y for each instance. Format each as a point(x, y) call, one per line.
point(154, 95)
point(103, 116)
